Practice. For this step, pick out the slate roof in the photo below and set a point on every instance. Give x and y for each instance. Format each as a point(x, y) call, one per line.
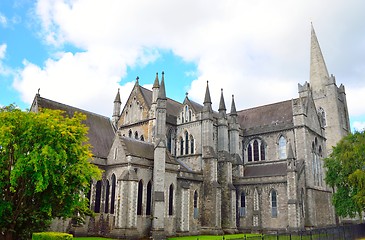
point(276, 169)
point(101, 132)
point(173, 107)
point(137, 148)
point(272, 117)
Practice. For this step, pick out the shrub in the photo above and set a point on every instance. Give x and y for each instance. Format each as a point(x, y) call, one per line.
point(51, 236)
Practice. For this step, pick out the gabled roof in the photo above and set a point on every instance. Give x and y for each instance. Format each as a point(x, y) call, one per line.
point(101, 132)
point(137, 148)
point(274, 116)
point(173, 107)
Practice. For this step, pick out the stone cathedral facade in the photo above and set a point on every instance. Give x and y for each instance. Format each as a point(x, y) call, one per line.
point(174, 168)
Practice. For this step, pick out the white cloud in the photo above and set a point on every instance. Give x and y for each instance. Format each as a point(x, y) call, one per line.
point(3, 20)
point(257, 50)
point(2, 50)
point(359, 126)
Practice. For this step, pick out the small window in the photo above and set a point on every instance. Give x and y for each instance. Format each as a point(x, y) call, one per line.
point(142, 138)
point(130, 133)
point(196, 211)
point(107, 192)
point(136, 135)
point(169, 140)
point(191, 144)
point(112, 201)
point(249, 153)
point(322, 117)
point(243, 205)
point(181, 146)
point(139, 198)
point(282, 148)
point(186, 143)
point(274, 204)
point(171, 200)
point(149, 198)
point(256, 151)
point(97, 197)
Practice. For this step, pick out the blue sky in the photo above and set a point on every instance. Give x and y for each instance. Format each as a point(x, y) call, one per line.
point(80, 52)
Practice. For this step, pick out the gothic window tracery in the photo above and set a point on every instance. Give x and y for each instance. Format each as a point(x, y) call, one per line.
point(256, 150)
point(317, 168)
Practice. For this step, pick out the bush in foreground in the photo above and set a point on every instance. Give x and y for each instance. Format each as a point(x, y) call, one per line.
point(51, 236)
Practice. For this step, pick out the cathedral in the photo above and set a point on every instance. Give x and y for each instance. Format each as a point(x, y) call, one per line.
point(175, 169)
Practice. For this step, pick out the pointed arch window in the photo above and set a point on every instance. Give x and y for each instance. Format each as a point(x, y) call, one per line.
point(274, 204)
point(136, 135)
point(186, 143)
point(243, 205)
point(190, 113)
point(171, 200)
point(97, 197)
point(141, 138)
point(249, 153)
point(262, 151)
point(169, 140)
point(112, 201)
point(140, 197)
point(196, 211)
point(256, 151)
point(282, 148)
point(181, 146)
point(191, 144)
point(130, 133)
point(149, 198)
point(107, 192)
point(88, 195)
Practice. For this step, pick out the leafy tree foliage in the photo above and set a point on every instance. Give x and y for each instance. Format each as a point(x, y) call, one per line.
point(44, 169)
point(346, 174)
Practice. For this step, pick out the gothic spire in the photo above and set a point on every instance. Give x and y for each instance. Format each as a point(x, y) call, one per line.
point(207, 101)
point(162, 92)
point(207, 95)
point(156, 83)
point(222, 105)
point(290, 152)
point(318, 69)
point(117, 97)
point(233, 107)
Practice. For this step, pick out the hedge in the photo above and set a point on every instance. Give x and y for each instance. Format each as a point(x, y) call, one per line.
point(51, 236)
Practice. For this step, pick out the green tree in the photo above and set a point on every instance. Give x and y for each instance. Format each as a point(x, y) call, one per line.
point(346, 174)
point(44, 169)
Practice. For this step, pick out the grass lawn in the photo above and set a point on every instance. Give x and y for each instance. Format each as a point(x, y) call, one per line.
point(92, 238)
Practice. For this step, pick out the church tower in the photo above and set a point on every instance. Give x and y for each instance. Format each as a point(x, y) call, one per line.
point(228, 206)
point(211, 215)
point(329, 99)
point(158, 222)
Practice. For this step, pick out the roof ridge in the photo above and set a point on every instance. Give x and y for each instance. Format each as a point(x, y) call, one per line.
point(76, 108)
point(166, 97)
point(265, 105)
